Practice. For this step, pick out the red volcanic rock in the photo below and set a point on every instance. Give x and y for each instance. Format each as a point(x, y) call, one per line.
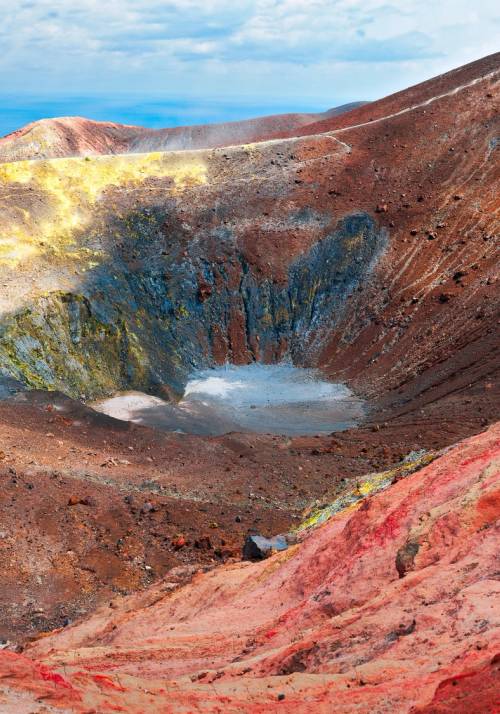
point(67, 136)
point(405, 101)
point(340, 622)
point(204, 290)
point(179, 542)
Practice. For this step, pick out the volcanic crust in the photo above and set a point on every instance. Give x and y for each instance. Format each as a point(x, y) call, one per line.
point(361, 243)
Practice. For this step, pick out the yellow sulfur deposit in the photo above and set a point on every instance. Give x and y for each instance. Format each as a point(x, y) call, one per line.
point(372, 483)
point(49, 200)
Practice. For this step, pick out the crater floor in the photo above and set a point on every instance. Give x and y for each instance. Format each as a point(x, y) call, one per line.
point(272, 399)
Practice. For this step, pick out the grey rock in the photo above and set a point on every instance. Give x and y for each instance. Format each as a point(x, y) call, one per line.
point(257, 547)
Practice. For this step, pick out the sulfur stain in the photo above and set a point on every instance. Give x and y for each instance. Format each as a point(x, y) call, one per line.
point(372, 483)
point(64, 192)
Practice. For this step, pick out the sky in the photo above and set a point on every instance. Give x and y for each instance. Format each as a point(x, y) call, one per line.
point(173, 62)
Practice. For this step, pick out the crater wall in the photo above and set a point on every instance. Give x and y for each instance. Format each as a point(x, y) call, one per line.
point(369, 249)
point(147, 327)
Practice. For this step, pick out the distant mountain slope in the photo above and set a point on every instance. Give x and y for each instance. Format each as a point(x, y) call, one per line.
point(66, 136)
point(77, 136)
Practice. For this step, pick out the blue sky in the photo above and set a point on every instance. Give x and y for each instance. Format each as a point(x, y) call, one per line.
point(170, 62)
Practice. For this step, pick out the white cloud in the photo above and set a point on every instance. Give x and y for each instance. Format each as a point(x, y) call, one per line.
point(302, 49)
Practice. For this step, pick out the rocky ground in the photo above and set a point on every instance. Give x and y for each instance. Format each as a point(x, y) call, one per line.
point(91, 506)
point(390, 607)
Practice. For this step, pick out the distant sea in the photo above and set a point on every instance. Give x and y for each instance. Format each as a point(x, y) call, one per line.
point(15, 112)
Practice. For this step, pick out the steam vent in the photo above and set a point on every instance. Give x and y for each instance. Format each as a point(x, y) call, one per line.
point(249, 454)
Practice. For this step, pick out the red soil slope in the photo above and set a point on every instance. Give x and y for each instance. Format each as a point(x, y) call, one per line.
point(427, 166)
point(138, 488)
point(66, 136)
point(426, 93)
point(390, 608)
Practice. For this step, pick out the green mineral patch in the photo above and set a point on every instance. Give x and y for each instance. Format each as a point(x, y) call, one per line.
point(61, 344)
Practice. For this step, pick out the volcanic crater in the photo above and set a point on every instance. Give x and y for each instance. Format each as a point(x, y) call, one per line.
point(358, 244)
